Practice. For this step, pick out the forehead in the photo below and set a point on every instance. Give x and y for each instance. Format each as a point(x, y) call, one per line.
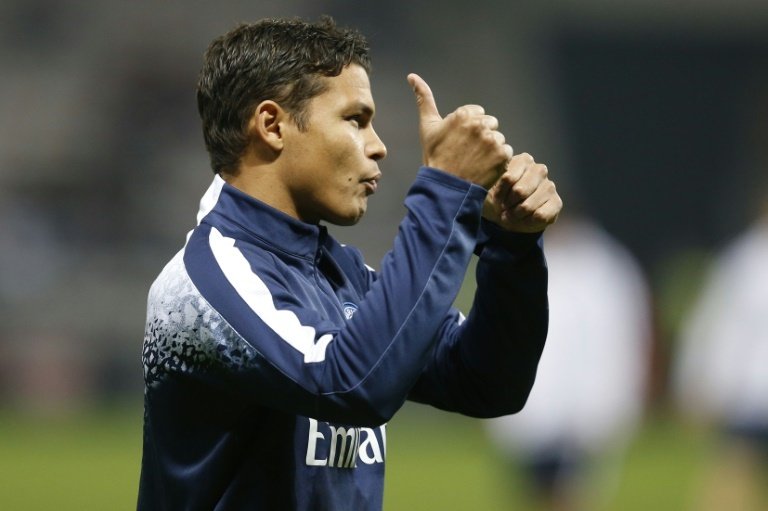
point(351, 87)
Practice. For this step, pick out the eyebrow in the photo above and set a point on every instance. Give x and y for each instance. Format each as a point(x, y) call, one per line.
point(365, 108)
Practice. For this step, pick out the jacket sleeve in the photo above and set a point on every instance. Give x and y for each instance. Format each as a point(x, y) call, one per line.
point(361, 372)
point(485, 365)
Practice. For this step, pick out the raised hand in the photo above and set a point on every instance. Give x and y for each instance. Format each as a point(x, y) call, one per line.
point(466, 143)
point(524, 199)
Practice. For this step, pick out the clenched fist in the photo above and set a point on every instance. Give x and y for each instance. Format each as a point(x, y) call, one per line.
point(524, 199)
point(466, 143)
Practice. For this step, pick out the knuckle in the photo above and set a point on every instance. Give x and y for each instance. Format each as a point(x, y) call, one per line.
point(478, 126)
point(519, 190)
point(555, 197)
point(510, 177)
point(509, 180)
point(521, 214)
point(526, 157)
point(470, 111)
point(527, 209)
point(487, 137)
point(462, 113)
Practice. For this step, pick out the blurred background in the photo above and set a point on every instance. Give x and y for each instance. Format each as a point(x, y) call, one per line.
point(653, 119)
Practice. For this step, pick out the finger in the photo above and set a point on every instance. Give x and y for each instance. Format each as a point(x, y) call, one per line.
point(425, 100)
point(490, 122)
point(541, 196)
point(543, 216)
point(516, 167)
point(508, 152)
point(550, 210)
point(500, 192)
point(472, 111)
point(512, 174)
point(531, 179)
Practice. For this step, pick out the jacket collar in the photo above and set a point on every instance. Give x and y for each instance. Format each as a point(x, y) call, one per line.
point(223, 205)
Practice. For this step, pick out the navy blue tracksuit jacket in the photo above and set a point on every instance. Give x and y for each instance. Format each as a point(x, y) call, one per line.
point(274, 357)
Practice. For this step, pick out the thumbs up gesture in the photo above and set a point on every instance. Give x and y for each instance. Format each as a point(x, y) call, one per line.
point(466, 143)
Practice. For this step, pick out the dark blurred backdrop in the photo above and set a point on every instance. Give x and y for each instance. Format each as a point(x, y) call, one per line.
point(652, 118)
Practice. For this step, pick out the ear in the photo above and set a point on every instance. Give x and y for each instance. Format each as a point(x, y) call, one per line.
point(266, 125)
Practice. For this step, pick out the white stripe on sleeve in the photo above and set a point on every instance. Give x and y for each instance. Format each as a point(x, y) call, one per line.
point(256, 294)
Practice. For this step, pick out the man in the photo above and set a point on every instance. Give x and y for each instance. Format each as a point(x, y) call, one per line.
point(576, 422)
point(720, 378)
point(273, 356)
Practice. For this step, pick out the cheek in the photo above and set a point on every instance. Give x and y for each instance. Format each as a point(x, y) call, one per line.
point(337, 158)
point(347, 166)
point(349, 146)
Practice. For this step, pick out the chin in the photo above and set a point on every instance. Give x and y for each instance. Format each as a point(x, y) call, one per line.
point(347, 220)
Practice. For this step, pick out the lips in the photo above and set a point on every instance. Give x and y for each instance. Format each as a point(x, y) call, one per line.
point(371, 183)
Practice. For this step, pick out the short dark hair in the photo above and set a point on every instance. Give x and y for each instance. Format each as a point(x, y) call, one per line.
point(278, 59)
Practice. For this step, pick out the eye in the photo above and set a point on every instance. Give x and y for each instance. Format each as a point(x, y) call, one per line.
point(360, 120)
point(355, 120)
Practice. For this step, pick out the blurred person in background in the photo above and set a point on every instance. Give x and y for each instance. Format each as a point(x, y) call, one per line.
point(590, 386)
point(721, 377)
point(273, 356)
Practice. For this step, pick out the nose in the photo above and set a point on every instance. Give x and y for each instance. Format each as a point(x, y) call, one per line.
point(375, 148)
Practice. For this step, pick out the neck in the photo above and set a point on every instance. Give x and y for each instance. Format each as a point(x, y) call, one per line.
point(262, 182)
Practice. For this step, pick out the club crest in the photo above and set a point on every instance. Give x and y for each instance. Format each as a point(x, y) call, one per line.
point(349, 309)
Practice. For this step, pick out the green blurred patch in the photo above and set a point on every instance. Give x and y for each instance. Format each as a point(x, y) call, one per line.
point(81, 461)
point(443, 461)
point(90, 461)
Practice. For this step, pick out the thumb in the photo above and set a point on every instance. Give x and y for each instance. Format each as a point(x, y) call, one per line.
point(424, 99)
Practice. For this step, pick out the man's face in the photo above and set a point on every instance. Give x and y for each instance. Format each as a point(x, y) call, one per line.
point(331, 168)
